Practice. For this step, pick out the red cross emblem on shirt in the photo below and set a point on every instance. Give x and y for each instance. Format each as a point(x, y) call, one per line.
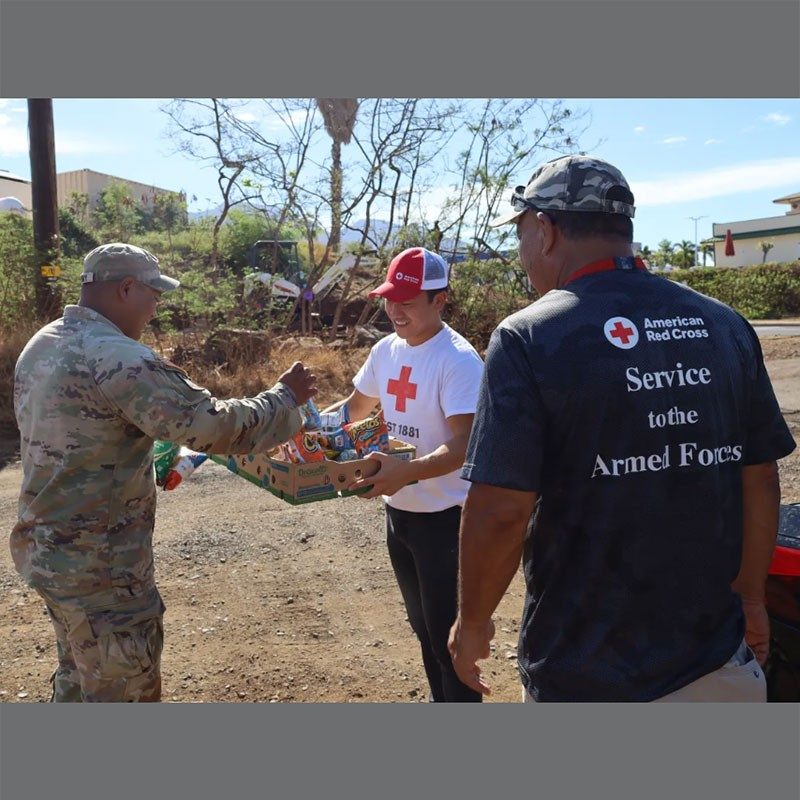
point(619, 331)
point(402, 389)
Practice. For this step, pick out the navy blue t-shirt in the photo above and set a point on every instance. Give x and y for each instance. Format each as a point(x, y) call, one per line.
point(630, 404)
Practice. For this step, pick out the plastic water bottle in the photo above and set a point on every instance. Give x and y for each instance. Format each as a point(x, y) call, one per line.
point(188, 461)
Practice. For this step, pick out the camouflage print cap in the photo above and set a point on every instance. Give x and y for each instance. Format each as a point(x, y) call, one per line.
point(572, 183)
point(115, 261)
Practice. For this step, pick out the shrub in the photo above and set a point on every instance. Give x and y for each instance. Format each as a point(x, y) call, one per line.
point(17, 271)
point(482, 294)
point(757, 292)
point(242, 230)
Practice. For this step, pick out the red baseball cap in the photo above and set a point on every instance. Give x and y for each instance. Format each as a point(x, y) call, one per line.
point(413, 271)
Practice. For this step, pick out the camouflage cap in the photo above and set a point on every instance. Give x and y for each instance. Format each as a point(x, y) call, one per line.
point(115, 261)
point(572, 183)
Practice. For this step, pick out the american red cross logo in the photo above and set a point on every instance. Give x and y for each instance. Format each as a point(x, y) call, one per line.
point(621, 332)
point(402, 389)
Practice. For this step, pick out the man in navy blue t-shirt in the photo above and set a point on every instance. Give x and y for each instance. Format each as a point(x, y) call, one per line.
point(635, 417)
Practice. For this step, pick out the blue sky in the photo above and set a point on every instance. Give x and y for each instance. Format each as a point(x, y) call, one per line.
point(719, 159)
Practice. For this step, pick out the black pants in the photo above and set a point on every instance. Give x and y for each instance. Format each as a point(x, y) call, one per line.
point(423, 549)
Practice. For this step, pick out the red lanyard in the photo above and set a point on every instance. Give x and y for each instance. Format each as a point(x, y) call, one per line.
point(625, 264)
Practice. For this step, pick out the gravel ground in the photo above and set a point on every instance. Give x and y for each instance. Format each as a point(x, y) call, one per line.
point(268, 602)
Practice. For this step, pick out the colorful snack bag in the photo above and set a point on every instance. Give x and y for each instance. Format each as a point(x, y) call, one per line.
point(164, 453)
point(369, 435)
point(188, 461)
point(310, 415)
point(305, 448)
point(336, 440)
point(288, 452)
point(348, 455)
point(331, 420)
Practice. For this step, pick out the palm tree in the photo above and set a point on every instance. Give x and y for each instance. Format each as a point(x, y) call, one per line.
point(665, 252)
point(765, 248)
point(686, 254)
point(646, 253)
point(706, 249)
point(339, 116)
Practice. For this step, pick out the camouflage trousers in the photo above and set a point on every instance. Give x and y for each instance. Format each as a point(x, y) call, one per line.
point(107, 652)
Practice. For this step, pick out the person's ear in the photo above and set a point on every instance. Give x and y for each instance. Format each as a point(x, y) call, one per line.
point(125, 288)
point(548, 233)
point(440, 301)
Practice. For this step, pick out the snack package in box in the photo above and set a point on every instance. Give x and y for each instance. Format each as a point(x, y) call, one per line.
point(369, 435)
point(335, 440)
point(310, 415)
point(331, 420)
point(304, 448)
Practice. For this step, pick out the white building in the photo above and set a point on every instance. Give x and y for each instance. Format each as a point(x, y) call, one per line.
point(16, 186)
point(782, 232)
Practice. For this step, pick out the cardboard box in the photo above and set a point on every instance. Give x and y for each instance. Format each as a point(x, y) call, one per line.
point(308, 483)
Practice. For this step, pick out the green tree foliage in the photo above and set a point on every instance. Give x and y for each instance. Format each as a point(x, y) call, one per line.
point(684, 255)
point(117, 215)
point(665, 253)
point(17, 271)
point(242, 230)
point(77, 239)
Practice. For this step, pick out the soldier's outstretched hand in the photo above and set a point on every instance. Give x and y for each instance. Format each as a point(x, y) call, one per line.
point(301, 381)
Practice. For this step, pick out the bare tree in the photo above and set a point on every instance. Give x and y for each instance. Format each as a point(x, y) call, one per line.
point(398, 138)
point(205, 130)
point(504, 136)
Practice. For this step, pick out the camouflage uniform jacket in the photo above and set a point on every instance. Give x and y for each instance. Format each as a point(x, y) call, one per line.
point(89, 402)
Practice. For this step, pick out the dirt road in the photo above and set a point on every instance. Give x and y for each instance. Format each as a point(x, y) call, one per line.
point(266, 602)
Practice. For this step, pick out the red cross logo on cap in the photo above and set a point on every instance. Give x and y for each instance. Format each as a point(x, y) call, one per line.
point(621, 332)
point(402, 389)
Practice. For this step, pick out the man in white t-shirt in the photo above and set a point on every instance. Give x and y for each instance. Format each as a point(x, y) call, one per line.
point(426, 378)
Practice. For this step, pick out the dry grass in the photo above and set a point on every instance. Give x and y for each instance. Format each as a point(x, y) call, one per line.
point(334, 370)
point(11, 343)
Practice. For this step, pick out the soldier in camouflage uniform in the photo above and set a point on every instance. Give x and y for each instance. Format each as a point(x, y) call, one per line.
point(90, 400)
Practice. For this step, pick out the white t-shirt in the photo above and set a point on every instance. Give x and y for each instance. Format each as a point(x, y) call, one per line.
point(419, 387)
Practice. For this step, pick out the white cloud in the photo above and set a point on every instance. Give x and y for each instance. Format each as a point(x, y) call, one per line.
point(713, 141)
point(19, 110)
point(639, 129)
point(434, 199)
point(674, 140)
point(14, 141)
point(778, 119)
point(246, 116)
point(719, 182)
point(279, 122)
point(13, 138)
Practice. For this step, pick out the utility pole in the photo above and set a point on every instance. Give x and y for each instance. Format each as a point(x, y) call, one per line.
point(45, 207)
point(696, 254)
